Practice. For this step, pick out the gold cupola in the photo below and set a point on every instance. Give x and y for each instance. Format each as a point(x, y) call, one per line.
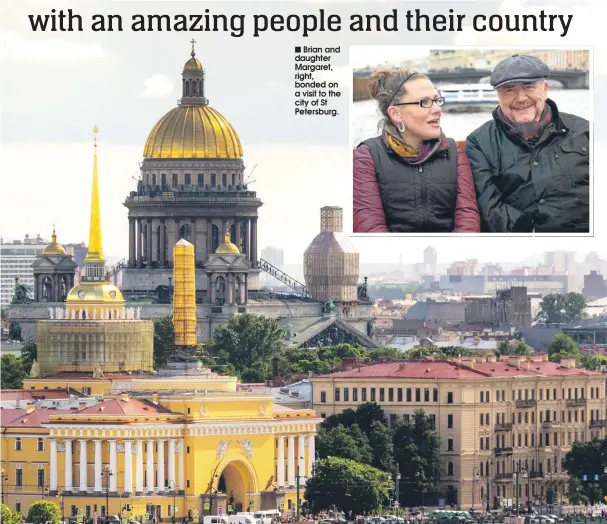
point(94, 289)
point(54, 248)
point(193, 129)
point(227, 248)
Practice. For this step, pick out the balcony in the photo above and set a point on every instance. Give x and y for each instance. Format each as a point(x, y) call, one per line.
point(598, 423)
point(505, 426)
point(536, 475)
point(503, 477)
point(551, 424)
point(576, 402)
point(527, 403)
point(503, 451)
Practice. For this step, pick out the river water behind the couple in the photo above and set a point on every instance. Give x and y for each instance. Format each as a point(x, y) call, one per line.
point(458, 126)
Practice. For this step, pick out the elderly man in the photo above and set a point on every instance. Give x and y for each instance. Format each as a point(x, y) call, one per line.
point(530, 163)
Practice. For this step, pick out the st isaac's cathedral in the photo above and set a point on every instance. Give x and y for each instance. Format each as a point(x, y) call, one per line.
point(192, 187)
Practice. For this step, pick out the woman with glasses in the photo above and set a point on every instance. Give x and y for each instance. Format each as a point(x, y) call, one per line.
point(411, 178)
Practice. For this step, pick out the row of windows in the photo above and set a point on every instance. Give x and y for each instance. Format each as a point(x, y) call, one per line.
point(523, 440)
point(409, 395)
point(572, 394)
point(187, 179)
point(19, 444)
point(545, 416)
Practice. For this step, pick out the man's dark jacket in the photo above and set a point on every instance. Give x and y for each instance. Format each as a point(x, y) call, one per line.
point(521, 188)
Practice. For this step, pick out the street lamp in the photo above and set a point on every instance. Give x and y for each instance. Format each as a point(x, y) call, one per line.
point(522, 472)
point(475, 475)
point(172, 484)
point(45, 490)
point(2, 480)
point(298, 483)
point(397, 488)
point(108, 473)
point(488, 485)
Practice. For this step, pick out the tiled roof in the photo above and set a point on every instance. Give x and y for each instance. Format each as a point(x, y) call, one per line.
point(424, 369)
point(446, 369)
point(130, 407)
point(35, 419)
point(37, 394)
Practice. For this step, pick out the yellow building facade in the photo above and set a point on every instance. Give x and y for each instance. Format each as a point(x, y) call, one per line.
point(494, 418)
point(217, 452)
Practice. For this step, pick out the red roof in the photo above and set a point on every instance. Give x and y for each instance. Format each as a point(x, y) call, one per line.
point(130, 407)
point(37, 394)
point(446, 369)
point(19, 418)
point(426, 369)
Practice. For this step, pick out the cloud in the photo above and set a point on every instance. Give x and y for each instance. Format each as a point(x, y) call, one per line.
point(157, 86)
point(14, 47)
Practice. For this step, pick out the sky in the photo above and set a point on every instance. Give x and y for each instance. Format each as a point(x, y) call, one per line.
point(54, 87)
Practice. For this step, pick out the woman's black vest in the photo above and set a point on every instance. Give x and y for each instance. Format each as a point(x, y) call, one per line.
point(416, 199)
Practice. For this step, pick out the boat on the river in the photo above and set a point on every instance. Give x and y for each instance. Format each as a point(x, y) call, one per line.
point(468, 98)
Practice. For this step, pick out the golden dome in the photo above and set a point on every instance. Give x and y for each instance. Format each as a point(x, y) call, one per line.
point(193, 64)
point(196, 131)
point(227, 248)
point(95, 293)
point(54, 248)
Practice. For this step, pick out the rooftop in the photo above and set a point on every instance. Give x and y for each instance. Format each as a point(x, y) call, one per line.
point(463, 368)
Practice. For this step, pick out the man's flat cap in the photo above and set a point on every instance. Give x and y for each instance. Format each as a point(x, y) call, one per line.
point(518, 68)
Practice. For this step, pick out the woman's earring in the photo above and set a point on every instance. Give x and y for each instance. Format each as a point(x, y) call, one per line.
point(401, 127)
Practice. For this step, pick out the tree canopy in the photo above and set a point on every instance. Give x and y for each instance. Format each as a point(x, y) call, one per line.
point(44, 511)
point(8, 516)
point(561, 308)
point(563, 346)
point(12, 372)
point(358, 489)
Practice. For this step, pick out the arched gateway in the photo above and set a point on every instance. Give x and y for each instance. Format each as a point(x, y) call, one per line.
point(237, 481)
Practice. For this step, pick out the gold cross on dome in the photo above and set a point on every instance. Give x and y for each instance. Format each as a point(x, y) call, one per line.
point(192, 42)
point(95, 131)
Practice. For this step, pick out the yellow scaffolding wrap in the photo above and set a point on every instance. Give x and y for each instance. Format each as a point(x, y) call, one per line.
point(184, 294)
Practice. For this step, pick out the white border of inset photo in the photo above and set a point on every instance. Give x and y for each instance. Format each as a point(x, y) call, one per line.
point(359, 57)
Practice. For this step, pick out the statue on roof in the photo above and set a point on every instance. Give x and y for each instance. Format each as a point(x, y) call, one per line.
point(22, 293)
point(329, 306)
point(97, 372)
point(371, 331)
point(289, 331)
point(14, 331)
point(35, 371)
point(362, 291)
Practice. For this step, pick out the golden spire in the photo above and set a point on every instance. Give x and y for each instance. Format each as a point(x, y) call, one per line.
point(193, 53)
point(95, 252)
point(54, 235)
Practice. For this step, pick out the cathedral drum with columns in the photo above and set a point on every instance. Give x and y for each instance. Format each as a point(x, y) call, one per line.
point(192, 187)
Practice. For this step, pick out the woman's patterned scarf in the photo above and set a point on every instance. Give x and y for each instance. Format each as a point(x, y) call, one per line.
point(407, 152)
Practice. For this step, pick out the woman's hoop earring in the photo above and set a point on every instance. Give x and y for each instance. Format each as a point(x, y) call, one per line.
point(401, 127)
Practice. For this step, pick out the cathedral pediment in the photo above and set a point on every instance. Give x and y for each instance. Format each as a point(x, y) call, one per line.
point(227, 263)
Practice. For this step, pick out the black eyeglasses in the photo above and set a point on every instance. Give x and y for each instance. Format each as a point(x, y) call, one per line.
point(426, 103)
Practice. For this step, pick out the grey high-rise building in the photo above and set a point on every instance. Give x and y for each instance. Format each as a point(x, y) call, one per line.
point(430, 257)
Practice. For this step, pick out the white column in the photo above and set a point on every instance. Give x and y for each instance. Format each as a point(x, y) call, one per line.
point(291, 461)
point(311, 453)
point(280, 463)
point(98, 466)
point(171, 465)
point(68, 465)
point(128, 467)
point(161, 464)
point(150, 466)
point(139, 466)
point(53, 466)
point(113, 468)
point(301, 460)
point(182, 465)
point(83, 466)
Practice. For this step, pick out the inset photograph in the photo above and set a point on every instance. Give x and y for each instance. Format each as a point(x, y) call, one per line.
point(471, 140)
